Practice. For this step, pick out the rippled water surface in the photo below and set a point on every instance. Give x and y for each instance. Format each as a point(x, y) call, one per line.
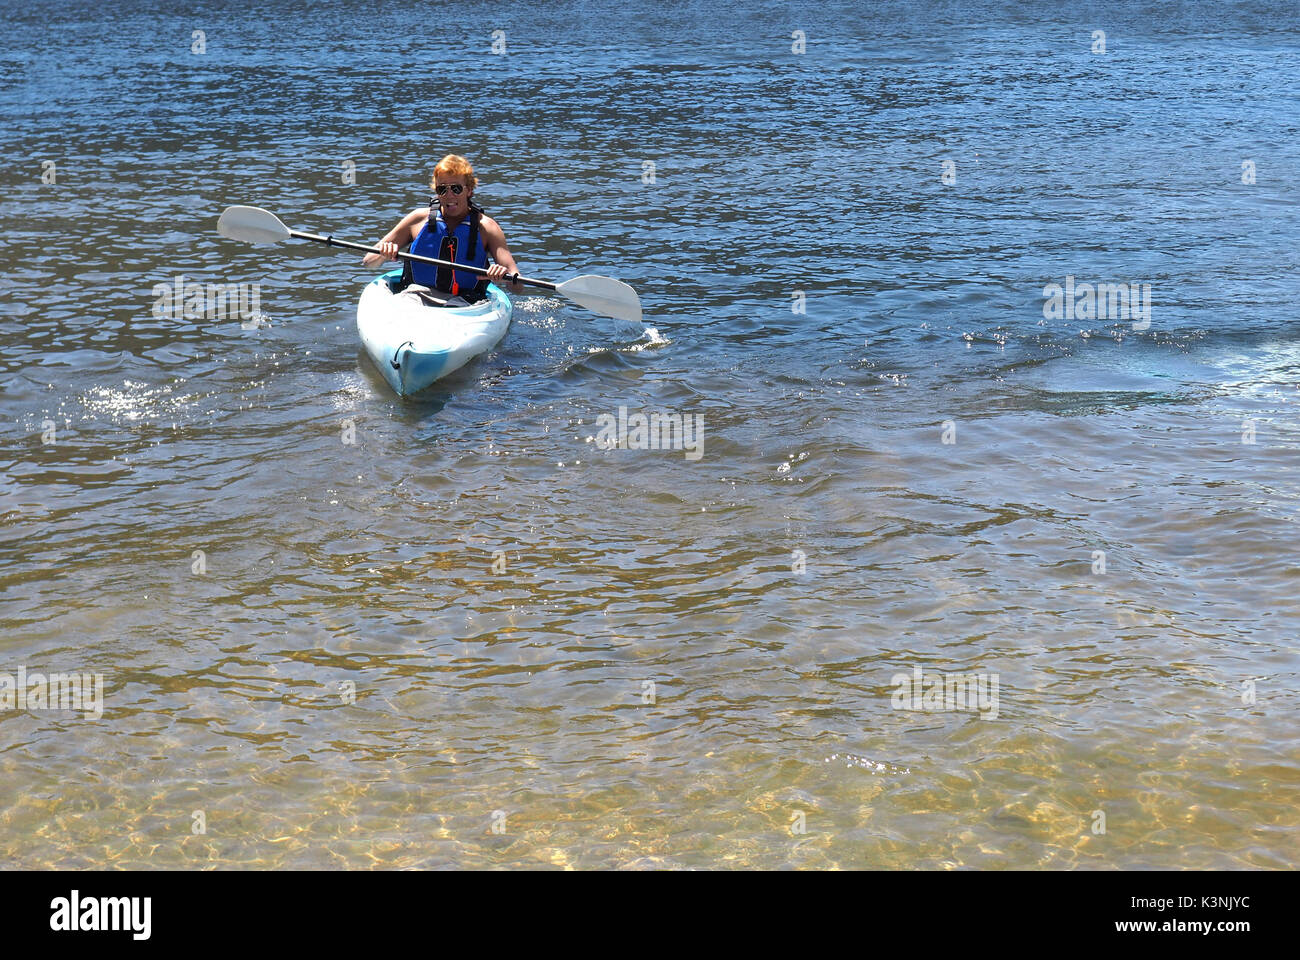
point(337, 628)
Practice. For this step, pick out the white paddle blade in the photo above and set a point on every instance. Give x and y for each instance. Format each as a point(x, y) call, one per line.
point(251, 225)
point(613, 298)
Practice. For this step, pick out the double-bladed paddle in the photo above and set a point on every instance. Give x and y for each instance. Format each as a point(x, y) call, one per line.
point(604, 295)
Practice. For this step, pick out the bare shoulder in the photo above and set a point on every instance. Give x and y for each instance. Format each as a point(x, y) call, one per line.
point(488, 225)
point(414, 222)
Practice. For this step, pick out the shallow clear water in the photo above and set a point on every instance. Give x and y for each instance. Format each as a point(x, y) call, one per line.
point(471, 637)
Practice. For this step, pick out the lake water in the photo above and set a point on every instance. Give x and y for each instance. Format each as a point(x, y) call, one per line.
point(336, 628)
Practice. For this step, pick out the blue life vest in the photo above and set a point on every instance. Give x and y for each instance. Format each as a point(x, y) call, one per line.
point(462, 245)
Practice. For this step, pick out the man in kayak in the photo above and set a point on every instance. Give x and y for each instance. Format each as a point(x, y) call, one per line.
point(452, 228)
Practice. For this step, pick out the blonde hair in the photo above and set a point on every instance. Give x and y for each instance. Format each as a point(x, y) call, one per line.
point(454, 165)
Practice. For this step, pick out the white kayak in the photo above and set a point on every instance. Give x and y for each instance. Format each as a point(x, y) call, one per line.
point(413, 344)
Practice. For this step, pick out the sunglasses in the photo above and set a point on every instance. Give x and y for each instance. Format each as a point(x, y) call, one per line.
point(455, 188)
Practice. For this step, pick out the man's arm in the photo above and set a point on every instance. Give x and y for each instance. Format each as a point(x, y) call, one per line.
point(397, 238)
point(494, 241)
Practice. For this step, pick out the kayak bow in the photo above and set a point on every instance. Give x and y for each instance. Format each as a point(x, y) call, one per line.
point(413, 343)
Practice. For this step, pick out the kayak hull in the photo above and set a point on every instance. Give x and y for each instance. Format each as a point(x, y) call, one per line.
point(413, 344)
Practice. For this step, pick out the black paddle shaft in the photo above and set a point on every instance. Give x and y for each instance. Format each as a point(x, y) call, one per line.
point(331, 242)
